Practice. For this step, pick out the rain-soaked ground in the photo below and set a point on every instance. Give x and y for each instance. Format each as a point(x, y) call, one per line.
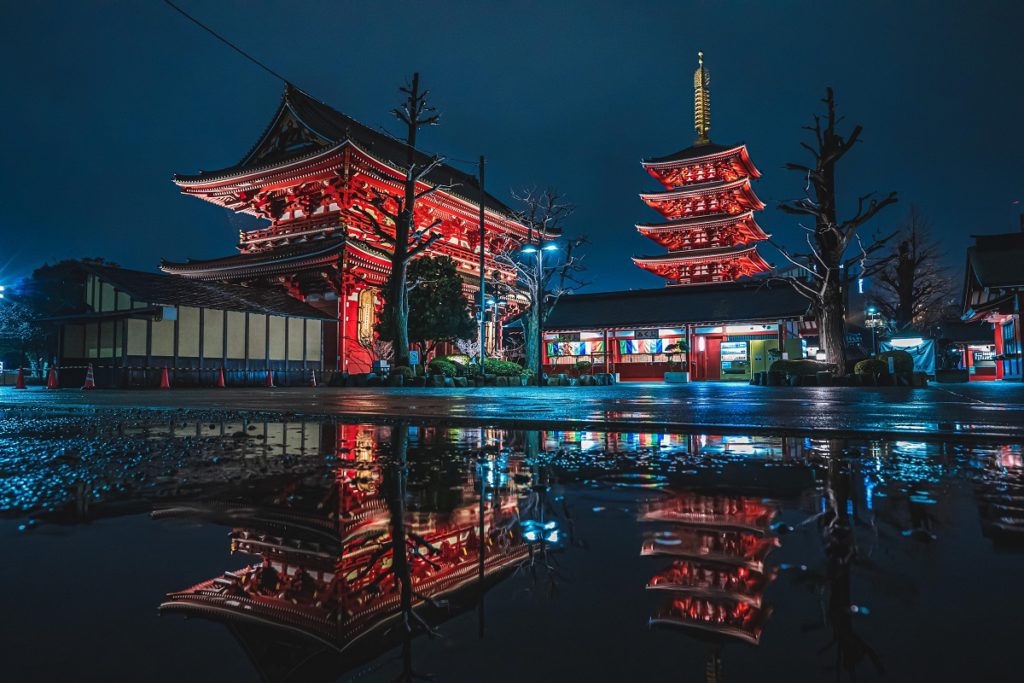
point(205, 545)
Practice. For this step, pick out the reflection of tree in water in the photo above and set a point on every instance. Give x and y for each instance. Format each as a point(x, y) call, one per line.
point(836, 525)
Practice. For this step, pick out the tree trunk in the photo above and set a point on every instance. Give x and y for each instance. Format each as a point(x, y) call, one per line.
point(399, 310)
point(530, 340)
point(831, 320)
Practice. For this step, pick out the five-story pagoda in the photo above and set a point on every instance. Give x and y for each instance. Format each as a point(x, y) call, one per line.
point(709, 205)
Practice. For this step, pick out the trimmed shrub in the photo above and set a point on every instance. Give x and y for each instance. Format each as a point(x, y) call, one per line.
point(870, 366)
point(583, 367)
point(442, 366)
point(502, 368)
point(901, 360)
point(403, 370)
point(798, 368)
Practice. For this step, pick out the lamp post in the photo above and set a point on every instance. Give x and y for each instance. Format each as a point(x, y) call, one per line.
point(538, 298)
point(873, 321)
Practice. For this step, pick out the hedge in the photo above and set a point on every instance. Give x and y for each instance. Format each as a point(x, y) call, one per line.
point(798, 367)
point(901, 360)
point(870, 366)
point(441, 366)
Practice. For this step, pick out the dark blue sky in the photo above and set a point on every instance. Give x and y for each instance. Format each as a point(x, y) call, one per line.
point(105, 100)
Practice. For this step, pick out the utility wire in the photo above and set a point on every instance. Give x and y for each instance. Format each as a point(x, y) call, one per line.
point(227, 42)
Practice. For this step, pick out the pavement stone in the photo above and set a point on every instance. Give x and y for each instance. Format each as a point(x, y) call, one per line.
point(983, 410)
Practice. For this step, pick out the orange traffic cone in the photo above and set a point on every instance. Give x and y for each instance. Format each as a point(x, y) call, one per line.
point(220, 380)
point(312, 378)
point(90, 380)
point(20, 383)
point(165, 379)
point(51, 379)
point(270, 379)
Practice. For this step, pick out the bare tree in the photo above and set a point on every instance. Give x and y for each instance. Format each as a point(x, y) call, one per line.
point(544, 212)
point(392, 218)
point(824, 269)
point(915, 285)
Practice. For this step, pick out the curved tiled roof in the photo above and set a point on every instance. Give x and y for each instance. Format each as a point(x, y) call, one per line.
point(693, 152)
point(158, 289)
point(672, 306)
point(334, 127)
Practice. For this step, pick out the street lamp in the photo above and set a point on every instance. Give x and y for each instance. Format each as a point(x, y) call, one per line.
point(539, 248)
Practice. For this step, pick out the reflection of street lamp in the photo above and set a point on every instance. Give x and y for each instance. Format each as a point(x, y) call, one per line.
point(538, 298)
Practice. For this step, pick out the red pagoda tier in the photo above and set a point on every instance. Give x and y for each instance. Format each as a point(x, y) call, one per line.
point(716, 582)
point(709, 203)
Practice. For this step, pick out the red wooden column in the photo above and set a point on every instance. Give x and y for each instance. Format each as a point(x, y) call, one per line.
point(606, 351)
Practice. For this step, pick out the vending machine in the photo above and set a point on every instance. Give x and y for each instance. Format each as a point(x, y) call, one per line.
point(735, 361)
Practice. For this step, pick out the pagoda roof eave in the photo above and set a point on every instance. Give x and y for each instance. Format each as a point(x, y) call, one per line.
point(698, 221)
point(697, 255)
point(701, 153)
point(696, 189)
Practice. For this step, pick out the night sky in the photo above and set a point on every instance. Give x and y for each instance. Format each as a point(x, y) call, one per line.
point(105, 100)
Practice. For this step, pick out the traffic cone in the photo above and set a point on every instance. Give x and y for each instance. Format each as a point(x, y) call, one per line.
point(312, 378)
point(20, 383)
point(51, 379)
point(90, 380)
point(165, 379)
point(270, 379)
point(220, 379)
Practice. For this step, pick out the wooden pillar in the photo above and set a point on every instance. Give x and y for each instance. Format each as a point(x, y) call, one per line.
point(246, 362)
point(607, 350)
point(177, 327)
point(202, 343)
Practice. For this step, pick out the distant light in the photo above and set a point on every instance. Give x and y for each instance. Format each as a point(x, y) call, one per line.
point(860, 285)
point(820, 355)
point(550, 246)
point(872, 310)
point(529, 249)
point(908, 342)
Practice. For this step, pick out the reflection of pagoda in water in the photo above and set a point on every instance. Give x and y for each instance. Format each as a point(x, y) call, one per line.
point(714, 585)
point(329, 578)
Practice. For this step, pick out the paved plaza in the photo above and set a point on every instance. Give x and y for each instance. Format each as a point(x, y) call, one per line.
point(982, 409)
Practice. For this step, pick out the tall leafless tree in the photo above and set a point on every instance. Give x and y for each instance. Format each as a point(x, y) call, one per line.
point(544, 212)
point(915, 286)
point(824, 268)
point(392, 218)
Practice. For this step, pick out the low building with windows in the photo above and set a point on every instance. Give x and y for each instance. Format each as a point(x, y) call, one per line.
point(994, 293)
point(135, 323)
point(713, 332)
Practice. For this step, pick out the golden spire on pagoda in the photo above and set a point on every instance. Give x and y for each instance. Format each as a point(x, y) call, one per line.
point(701, 101)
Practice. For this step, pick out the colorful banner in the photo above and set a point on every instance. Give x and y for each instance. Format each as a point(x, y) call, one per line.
point(576, 348)
point(648, 346)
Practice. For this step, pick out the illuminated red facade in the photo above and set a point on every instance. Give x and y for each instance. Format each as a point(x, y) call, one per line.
point(309, 176)
point(710, 231)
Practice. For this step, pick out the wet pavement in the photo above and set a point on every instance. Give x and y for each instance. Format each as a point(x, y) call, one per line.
point(953, 410)
point(212, 544)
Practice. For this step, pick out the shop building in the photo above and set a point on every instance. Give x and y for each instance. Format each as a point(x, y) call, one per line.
point(994, 293)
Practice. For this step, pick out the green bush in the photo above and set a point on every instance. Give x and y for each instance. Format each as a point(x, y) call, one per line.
point(798, 367)
point(583, 367)
point(527, 372)
point(502, 368)
point(442, 366)
point(458, 359)
point(403, 370)
point(870, 366)
point(901, 360)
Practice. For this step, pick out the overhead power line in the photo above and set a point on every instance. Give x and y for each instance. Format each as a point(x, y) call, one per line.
point(227, 42)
